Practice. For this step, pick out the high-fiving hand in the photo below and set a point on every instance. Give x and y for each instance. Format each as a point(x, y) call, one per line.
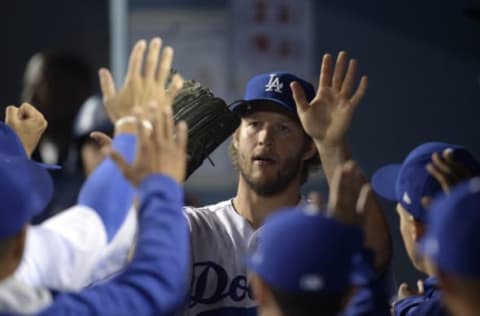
point(141, 87)
point(161, 150)
point(327, 117)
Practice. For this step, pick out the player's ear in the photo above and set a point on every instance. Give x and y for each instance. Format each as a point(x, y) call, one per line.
point(235, 138)
point(418, 229)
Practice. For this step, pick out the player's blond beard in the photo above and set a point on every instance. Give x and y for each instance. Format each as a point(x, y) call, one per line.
point(277, 184)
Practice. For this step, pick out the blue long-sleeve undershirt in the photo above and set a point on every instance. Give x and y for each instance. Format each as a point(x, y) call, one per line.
point(155, 282)
point(107, 191)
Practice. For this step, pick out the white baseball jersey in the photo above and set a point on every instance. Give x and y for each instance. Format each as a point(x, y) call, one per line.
point(220, 239)
point(69, 251)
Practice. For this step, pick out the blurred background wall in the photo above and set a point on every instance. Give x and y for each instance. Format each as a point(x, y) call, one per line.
point(422, 59)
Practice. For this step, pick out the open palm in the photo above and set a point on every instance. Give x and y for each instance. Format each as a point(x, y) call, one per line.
point(140, 88)
point(327, 117)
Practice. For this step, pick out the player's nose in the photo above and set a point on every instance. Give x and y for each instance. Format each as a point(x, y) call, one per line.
point(265, 136)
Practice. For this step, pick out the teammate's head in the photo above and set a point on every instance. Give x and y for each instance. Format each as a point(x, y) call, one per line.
point(57, 83)
point(25, 190)
point(408, 183)
point(303, 264)
point(270, 148)
point(452, 241)
point(85, 153)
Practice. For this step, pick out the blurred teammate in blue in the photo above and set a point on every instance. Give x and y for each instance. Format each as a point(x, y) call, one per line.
point(412, 185)
point(312, 260)
point(155, 282)
point(452, 242)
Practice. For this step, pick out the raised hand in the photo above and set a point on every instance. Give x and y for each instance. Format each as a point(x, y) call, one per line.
point(447, 171)
point(140, 88)
point(352, 201)
point(327, 117)
point(28, 123)
point(161, 150)
point(344, 191)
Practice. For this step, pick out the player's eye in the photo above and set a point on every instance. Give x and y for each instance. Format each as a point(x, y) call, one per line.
point(284, 128)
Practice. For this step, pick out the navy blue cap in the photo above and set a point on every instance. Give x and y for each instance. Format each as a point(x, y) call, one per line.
point(91, 117)
point(301, 251)
point(275, 87)
point(10, 145)
point(25, 189)
point(408, 182)
point(452, 239)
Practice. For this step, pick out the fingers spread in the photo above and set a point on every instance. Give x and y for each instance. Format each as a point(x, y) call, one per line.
point(175, 86)
point(106, 84)
point(135, 62)
point(152, 59)
point(347, 85)
point(165, 66)
point(360, 92)
point(339, 72)
point(299, 96)
point(325, 79)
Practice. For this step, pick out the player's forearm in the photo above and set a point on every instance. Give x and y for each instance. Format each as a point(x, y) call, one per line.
point(332, 156)
point(378, 238)
point(164, 235)
point(155, 282)
point(107, 191)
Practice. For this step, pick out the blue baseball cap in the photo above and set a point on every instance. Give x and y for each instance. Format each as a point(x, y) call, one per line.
point(409, 182)
point(452, 239)
point(275, 87)
point(301, 251)
point(25, 190)
point(10, 145)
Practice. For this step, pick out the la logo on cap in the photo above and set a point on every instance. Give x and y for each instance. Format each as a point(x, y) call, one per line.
point(274, 84)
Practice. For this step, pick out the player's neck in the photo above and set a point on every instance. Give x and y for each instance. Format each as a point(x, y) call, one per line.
point(255, 208)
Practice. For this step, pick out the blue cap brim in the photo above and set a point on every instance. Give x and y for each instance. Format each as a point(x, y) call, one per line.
point(384, 180)
point(241, 106)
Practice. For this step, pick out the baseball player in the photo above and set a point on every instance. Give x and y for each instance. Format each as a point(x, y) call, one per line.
point(92, 240)
point(284, 126)
point(155, 281)
point(452, 243)
point(324, 275)
point(412, 186)
point(274, 146)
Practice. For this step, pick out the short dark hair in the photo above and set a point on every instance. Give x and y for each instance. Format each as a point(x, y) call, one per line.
point(304, 304)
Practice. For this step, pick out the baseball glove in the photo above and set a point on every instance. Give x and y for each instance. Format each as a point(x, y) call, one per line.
point(209, 120)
